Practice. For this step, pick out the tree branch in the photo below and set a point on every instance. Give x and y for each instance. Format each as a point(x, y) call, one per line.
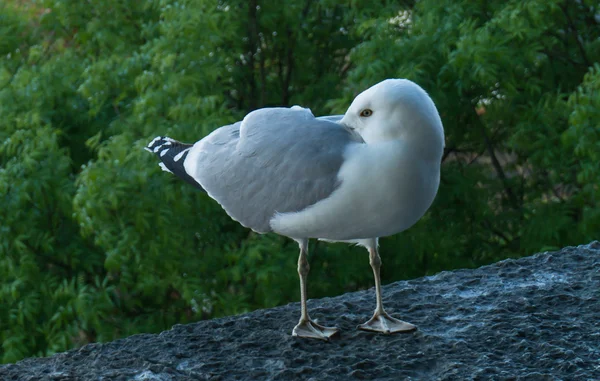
point(495, 163)
point(285, 93)
point(252, 33)
point(496, 231)
point(447, 152)
point(575, 33)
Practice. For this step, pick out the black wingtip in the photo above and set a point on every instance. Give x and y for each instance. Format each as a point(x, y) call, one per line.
point(159, 143)
point(172, 155)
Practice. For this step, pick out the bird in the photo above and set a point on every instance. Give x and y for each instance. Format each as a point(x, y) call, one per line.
point(369, 173)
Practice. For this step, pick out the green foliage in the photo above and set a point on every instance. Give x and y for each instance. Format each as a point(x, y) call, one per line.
point(97, 243)
point(583, 139)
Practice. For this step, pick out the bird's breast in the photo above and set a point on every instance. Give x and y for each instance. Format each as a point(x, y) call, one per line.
point(395, 190)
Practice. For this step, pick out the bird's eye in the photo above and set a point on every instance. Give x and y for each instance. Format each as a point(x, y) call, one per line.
point(366, 112)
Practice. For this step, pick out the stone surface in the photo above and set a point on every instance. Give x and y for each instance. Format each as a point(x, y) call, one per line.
point(536, 318)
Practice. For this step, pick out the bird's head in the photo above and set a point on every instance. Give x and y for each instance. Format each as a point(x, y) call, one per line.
point(395, 109)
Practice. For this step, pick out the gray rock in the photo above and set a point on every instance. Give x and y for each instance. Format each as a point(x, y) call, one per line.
point(535, 318)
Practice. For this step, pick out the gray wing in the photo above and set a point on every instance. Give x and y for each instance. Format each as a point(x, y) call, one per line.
point(275, 161)
point(331, 118)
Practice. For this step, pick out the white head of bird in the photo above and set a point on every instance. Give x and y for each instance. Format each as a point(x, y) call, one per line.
point(396, 109)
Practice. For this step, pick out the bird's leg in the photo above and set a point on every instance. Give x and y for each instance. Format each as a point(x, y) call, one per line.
point(306, 327)
point(381, 321)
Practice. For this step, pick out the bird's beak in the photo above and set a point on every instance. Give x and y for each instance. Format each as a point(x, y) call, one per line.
point(352, 129)
point(344, 122)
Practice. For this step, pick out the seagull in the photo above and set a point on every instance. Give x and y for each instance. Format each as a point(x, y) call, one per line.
point(370, 173)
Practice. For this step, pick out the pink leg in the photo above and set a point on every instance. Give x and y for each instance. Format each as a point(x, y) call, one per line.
point(381, 321)
point(306, 327)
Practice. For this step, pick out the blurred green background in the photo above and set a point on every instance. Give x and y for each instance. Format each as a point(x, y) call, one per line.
point(97, 243)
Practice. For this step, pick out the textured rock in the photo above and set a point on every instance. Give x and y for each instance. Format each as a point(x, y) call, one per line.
point(536, 318)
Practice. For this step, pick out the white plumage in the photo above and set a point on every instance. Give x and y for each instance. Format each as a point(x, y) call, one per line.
point(372, 173)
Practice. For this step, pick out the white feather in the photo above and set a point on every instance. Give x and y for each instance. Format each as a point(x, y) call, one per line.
point(164, 167)
point(153, 141)
point(180, 154)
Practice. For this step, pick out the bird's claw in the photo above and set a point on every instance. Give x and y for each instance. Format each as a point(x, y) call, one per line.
point(312, 330)
point(382, 322)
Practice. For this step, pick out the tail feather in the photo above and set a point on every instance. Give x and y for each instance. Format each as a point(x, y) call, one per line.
point(172, 155)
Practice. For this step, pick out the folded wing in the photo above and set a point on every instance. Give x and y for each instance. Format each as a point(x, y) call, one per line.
point(276, 160)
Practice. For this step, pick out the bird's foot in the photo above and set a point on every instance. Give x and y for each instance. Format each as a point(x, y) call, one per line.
point(382, 322)
point(312, 330)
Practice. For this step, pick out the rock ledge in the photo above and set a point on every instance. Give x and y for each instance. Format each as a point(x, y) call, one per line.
point(535, 318)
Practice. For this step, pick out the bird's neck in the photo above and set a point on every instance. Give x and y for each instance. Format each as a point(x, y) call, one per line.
point(425, 143)
point(428, 144)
